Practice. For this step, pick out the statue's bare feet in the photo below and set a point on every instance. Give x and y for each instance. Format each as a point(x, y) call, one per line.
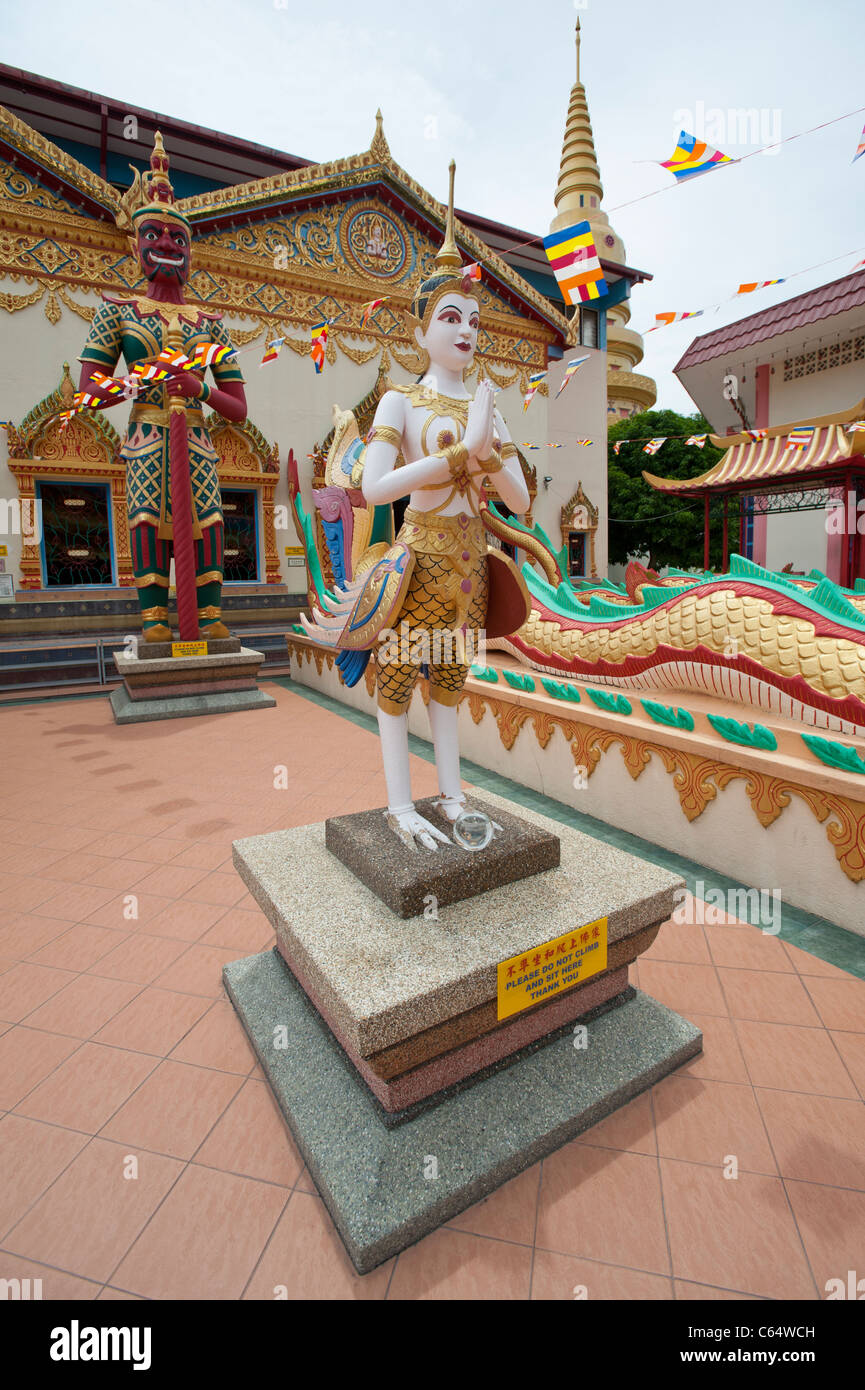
point(415, 831)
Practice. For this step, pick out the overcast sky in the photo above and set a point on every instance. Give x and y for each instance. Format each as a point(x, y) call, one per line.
point(487, 82)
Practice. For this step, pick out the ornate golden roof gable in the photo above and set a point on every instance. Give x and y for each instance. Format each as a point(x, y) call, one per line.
point(343, 173)
point(22, 137)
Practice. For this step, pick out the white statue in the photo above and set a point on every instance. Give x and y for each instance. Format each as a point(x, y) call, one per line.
point(434, 586)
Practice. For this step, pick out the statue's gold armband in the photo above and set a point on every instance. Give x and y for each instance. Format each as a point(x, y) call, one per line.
point(386, 434)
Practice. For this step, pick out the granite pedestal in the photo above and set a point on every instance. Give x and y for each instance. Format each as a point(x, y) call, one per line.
point(384, 1040)
point(157, 685)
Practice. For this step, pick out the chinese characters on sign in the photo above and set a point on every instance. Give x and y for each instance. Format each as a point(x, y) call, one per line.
point(549, 969)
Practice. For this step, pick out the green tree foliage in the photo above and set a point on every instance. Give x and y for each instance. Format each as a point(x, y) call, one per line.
point(643, 522)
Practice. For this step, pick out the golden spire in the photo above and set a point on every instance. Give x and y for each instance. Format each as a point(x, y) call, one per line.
point(379, 146)
point(579, 190)
point(449, 258)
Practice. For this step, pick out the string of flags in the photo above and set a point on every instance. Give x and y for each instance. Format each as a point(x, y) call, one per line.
point(692, 157)
point(318, 336)
point(653, 445)
point(861, 149)
point(534, 382)
point(526, 444)
point(574, 258)
point(369, 309)
point(571, 370)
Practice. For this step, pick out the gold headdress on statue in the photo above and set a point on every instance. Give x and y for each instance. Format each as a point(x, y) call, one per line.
point(150, 193)
point(447, 278)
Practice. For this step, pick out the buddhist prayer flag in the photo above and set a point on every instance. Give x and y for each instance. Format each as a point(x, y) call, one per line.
point(534, 382)
point(572, 254)
point(555, 446)
point(211, 354)
point(861, 149)
point(856, 425)
point(527, 445)
point(271, 351)
point(757, 434)
point(697, 439)
point(83, 399)
point(665, 319)
point(148, 371)
point(572, 367)
point(692, 156)
point(175, 359)
point(319, 343)
point(799, 439)
point(107, 383)
point(369, 309)
point(654, 445)
point(585, 442)
point(617, 446)
point(472, 272)
point(757, 285)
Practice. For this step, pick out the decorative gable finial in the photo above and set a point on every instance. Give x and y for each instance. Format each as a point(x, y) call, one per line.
point(379, 146)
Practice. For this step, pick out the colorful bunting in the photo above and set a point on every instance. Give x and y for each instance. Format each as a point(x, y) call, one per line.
point(753, 285)
point(319, 343)
point(654, 445)
point(691, 157)
point(211, 354)
point(572, 367)
point(757, 434)
point(585, 442)
point(534, 382)
point(108, 383)
point(574, 258)
point(698, 439)
point(856, 425)
point(861, 149)
point(83, 399)
point(799, 439)
point(172, 358)
point(369, 309)
point(148, 371)
point(618, 444)
point(471, 272)
point(665, 319)
point(271, 351)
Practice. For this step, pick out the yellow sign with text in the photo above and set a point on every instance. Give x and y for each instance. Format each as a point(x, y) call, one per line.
point(550, 969)
point(189, 649)
point(3, 550)
point(294, 550)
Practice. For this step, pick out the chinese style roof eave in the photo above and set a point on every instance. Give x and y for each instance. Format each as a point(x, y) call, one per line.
point(750, 465)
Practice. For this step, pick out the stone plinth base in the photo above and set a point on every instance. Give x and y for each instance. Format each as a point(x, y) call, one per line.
point(403, 879)
point(388, 1187)
point(164, 687)
point(140, 711)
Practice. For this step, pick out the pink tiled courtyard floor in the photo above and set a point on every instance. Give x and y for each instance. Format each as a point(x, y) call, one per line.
point(141, 1154)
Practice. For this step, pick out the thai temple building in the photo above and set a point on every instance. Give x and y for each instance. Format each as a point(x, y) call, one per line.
point(279, 243)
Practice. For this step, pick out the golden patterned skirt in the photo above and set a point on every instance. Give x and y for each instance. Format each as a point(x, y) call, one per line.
point(145, 452)
point(444, 608)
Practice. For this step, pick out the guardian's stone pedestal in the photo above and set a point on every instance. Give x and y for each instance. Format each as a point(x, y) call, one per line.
point(158, 685)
